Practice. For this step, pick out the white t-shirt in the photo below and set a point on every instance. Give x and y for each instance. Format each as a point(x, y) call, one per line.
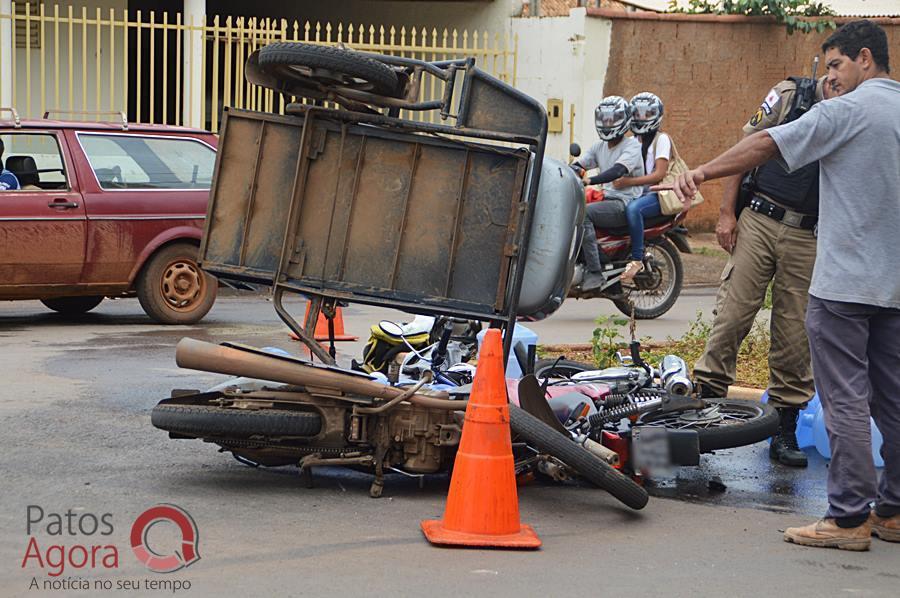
point(663, 147)
point(627, 153)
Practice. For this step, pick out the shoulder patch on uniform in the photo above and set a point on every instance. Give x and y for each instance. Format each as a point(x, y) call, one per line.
point(771, 101)
point(757, 118)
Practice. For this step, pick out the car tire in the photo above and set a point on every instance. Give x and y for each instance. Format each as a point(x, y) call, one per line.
point(173, 289)
point(72, 306)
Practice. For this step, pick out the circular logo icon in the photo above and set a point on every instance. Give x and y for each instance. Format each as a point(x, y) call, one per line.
point(174, 559)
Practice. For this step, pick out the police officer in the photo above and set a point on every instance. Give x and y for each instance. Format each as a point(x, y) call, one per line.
point(772, 240)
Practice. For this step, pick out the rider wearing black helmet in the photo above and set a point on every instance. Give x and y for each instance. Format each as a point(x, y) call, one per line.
point(614, 156)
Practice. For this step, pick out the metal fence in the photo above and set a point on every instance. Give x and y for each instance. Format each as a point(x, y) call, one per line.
point(145, 64)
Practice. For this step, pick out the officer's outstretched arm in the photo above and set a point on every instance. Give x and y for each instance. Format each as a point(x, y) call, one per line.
point(748, 153)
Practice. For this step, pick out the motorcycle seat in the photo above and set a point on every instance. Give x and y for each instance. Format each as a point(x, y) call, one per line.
point(608, 217)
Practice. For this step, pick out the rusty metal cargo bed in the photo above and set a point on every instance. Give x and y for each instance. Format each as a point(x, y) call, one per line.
point(342, 205)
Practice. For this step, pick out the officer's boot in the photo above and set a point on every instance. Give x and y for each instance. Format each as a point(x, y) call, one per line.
point(784, 447)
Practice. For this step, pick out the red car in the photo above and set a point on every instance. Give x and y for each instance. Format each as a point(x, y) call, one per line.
point(106, 210)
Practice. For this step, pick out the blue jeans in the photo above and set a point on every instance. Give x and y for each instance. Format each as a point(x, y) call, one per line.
point(646, 206)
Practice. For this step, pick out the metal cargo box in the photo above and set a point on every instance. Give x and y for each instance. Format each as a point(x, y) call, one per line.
point(363, 206)
point(384, 217)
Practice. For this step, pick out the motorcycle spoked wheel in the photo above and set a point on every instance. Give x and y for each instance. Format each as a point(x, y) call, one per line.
point(726, 423)
point(654, 293)
point(545, 439)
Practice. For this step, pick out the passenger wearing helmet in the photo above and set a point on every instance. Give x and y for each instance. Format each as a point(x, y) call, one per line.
point(614, 156)
point(656, 149)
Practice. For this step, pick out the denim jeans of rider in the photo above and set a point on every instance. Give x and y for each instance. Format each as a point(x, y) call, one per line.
point(856, 359)
point(646, 206)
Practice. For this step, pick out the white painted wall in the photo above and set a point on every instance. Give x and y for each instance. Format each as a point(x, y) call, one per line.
point(597, 48)
point(564, 58)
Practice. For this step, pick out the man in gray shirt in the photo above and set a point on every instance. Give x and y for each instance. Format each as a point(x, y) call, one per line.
point(853, 318)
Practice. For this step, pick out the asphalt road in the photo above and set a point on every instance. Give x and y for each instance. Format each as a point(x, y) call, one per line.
point(76, 436)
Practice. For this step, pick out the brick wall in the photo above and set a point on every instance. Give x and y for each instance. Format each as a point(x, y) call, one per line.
point(711, 72)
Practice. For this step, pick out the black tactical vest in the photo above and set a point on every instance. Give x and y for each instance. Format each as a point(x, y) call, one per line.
point(798, 190)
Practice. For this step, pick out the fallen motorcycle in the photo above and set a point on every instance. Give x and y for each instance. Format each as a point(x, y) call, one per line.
point(311, 415)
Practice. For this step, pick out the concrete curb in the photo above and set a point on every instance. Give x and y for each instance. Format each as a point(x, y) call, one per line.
point(745, 392)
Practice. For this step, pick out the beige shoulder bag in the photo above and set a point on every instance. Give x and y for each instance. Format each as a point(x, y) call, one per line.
point(669, 204)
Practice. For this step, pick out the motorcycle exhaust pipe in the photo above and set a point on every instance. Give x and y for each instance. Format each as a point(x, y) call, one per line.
point(208, 357)
point(674, 376)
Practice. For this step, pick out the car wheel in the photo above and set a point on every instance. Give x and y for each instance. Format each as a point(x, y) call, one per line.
point(71, 306)
point(173, 289)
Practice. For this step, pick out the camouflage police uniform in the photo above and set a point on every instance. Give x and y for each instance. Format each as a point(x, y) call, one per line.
point(766, 250)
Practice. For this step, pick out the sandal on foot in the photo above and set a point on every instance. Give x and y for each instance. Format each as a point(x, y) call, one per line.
point(631, 270)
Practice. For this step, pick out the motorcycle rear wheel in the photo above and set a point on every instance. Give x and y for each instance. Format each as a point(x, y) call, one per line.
point(544, 438)
point(729, 423)
point(653, 294)
point(203, 421)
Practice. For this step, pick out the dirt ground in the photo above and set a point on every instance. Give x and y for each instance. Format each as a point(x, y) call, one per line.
point(705, 265)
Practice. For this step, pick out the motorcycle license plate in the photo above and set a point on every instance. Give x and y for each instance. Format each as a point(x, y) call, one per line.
point(650, 450)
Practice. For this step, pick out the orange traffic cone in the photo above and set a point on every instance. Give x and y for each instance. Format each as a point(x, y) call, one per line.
point(321, 333)
point(482, 505)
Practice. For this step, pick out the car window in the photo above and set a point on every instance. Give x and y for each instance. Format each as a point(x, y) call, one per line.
point(35, 159)
point(139, 162)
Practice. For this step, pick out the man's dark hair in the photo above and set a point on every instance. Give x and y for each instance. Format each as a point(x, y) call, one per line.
point(856, 35)
point(1, 148)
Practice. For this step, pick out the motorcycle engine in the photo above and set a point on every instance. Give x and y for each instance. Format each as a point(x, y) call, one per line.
point(423, 440)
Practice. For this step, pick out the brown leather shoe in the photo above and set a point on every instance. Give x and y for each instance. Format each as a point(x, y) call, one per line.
point(825, 533)
point(886, 528)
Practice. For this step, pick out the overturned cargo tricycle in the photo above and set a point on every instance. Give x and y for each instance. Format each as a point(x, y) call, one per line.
point(460, 217)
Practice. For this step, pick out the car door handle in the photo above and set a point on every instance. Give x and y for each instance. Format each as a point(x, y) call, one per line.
point(61, 203)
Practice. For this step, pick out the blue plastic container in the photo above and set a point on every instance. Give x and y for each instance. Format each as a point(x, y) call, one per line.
point(521, 334)
point(811, 430)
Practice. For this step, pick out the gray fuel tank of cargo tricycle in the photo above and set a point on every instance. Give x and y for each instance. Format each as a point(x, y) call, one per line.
point(555, 239)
